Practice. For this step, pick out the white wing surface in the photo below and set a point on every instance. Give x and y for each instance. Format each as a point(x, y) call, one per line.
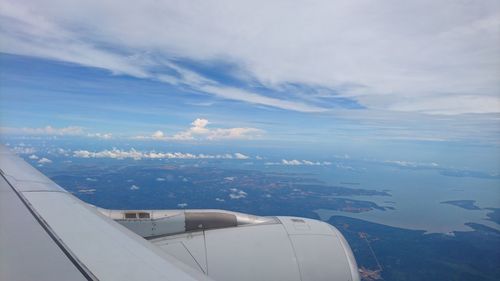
point(48, 234)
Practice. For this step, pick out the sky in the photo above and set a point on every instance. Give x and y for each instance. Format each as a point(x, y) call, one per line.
point(400, 81)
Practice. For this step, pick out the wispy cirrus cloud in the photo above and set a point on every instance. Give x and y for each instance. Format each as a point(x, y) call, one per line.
point(379, 55)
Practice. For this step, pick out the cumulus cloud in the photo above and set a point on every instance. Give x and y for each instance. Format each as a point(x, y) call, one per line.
point(63, 151)
point(199, 131)
point(33, 157)
point(104, 136)
point(114, 153)
point(134, 187)
point(87, 190)
point(295, 162)
point(23, 149)
point(240, 156)
point(237, 193)
point(158, 135)
point(44, 161)
point(379, 54)
point(137, 155)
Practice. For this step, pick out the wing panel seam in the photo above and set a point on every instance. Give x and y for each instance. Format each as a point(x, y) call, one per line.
point(76, 262)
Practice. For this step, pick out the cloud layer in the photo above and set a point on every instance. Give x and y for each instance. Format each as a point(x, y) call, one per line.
point(54, 131)
point(47, 130)
point(295, 162)
point(436, 57)
point(138, 155)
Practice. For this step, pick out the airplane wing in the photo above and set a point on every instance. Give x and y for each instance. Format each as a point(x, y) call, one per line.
point(48, 234)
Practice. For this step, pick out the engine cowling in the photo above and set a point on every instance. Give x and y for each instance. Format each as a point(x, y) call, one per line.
point(234, 246)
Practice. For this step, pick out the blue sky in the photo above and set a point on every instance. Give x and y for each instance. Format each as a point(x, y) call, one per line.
point(415, 81)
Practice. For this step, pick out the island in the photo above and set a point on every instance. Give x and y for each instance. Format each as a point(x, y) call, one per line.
point(464, 204)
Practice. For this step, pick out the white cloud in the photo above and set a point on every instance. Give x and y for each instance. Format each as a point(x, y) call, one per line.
point(91, 179)
point(63, 151)
point(22, 149)
point(199, 126)
point(182, 205)
point(87, 191)
point(446, 105)
point(53, 131)
point(134, 187)
point(240, 156)
point(199, 131)
point(237, 193)
point(234, 133)
point(137, 155)
point(382, 54)
point(292, 162)
point(33, 157)
point(104, 136)
point(48, 130)
point(44, 161)
point(158, 135)
point(295, 162)
point(247, 96)
point(160, 179)
point(410, 164)
point(114, 153)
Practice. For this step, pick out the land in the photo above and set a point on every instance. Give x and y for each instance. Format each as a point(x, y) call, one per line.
point(465, 204)
point(168, 187)
point(494, 215)
point(390, 253)
point(382, 252)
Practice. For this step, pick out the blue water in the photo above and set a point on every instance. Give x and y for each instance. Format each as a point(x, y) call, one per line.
point(416, 195)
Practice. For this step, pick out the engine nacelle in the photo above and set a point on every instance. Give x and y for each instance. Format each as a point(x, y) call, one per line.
point(231, 246)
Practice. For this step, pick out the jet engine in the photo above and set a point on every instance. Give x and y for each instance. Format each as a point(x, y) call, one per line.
point(231, 246)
